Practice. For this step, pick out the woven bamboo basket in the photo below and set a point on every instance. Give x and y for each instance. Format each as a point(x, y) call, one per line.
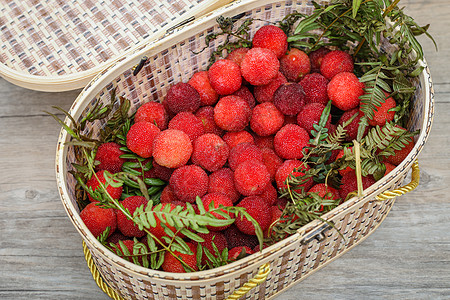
point(261, 275)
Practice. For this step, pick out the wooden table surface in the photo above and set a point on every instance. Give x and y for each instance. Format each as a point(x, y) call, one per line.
point(41, 254)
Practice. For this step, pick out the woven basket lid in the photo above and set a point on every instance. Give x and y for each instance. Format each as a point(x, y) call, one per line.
point(57, 45)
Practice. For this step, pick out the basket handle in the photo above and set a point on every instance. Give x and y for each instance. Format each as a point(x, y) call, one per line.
point(415, 178)
point(97, 277)
point(259, 278)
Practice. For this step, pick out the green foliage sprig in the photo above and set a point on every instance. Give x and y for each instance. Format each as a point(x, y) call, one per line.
point(296, 214)
point(380, 142)
point(318, 153)
point(214, 260)
point(358, 27)
point(119, 123)
point(234, 37)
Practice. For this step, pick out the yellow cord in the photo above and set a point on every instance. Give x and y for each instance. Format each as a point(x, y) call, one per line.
point(415, 178)
point(97, 277)
point(259, 278)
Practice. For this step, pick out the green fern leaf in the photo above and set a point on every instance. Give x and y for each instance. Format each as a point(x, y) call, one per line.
point(191, 235)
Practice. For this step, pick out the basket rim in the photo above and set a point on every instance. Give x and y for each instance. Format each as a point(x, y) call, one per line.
point(99, 82)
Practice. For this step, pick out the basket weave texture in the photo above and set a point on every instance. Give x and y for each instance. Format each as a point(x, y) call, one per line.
point(71, 41)
point(171, 60)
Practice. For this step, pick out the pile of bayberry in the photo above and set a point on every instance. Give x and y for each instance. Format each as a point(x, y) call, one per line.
point(232, 135)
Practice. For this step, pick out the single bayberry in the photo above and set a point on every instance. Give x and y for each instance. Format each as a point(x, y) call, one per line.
point(271, 37)
point(182, 97)
point(260, 66)
point(295, 65)
point(225, 76)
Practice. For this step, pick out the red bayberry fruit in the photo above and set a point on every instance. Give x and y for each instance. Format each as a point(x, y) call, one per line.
point(114, 192)
point(344, 90)
point(335, 62)
point(158, 231)
point(349, 183)
point(153, 112)
point(173, 265)
point(200, 82)
point(129, 244)
point(352, 128)
point(140, 138)
point(251, 177)
point(125, 225)
point(275, 213)
point(167, 195)
point(188, 182)
point(222, 181)
point(243, 152)
point(316, 57)
point(315, 88)
point(115, 237)
point(234, 138)
point(160, 172)
point(259, 66)
point(206, 115)
point(188, 123)
point(322, 189)
point(232, 113)
point(182, 97)
point(282, 202)
point(172, 148)
point(295, 64)
point(239, 252)
point(389, 167)
point(382, 113)
point(269, 195)
point(264, 141)
point(266, 119)
point(272, 161)
point(289, 98)
point(400, 155)
point(216, 238)
point(290, 120)
point(245, 94)
point(225, 76)
point(271, 37)
point(310, 115)
point(346, 170)
point(210, 152)
point(264, 93)
point(259, 210)
point(237, 55)
point(108, 154)
point(237, 238)
point(290, 140)
point(97, 219)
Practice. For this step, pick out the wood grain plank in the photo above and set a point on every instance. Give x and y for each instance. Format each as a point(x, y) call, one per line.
point(434, 13)
point(40, 250)
point(41, 256)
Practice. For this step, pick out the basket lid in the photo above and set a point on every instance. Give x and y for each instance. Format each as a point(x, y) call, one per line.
point(56, 45)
